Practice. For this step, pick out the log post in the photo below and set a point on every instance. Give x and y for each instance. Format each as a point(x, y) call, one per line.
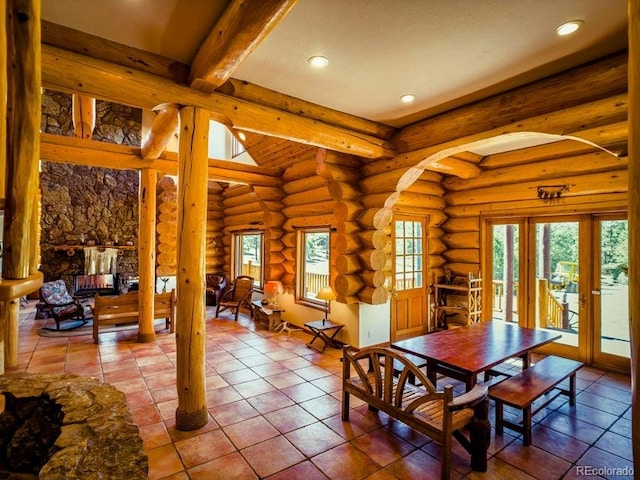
point(4, 313)
point(3, 100)
point(162, 128)
point(22, 157)
point(84, 115)
point(634, 219)
point(147, 253)
point(191, 413)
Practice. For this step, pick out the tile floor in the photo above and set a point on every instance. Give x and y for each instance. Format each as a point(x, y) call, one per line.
point(274, 412)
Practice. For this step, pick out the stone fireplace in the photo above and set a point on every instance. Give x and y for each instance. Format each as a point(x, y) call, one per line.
point(69, 425)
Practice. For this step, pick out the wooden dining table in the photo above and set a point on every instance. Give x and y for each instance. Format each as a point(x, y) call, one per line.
point(462, 353)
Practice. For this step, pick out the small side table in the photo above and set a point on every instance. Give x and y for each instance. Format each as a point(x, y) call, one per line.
point(326, 332)
point(268, 315)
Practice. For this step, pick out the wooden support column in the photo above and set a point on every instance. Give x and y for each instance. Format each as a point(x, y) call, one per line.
point(190, 322)
point(162, 128)
point(3, 98)
point(634, 222)
point(84, 115)
point(22, 156)
point(147, 253)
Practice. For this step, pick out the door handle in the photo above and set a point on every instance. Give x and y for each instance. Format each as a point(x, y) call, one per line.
point(595, 292)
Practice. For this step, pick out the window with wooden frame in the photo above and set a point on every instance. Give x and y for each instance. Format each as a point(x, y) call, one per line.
point(249, 256)
point(313, 264)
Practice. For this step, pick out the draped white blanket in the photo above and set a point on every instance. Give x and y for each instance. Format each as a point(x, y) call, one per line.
point(100, 260)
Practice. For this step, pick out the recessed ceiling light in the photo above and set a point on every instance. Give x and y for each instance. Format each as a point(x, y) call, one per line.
point(318, 61)
point(242, 136)
point(569, 27)
point(407, 98)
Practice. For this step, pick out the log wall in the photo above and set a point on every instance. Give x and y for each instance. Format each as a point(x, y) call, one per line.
point(508, 186)
point(166, 227)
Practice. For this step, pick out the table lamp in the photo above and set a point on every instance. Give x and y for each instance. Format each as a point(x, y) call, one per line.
point(273, 288)
point(327, 294)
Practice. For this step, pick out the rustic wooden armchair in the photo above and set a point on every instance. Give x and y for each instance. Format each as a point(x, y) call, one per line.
point(60, 304)
point(215, 287)
point(238, 296)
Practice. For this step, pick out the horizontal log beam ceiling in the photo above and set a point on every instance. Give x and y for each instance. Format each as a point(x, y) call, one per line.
point(240, 29)
point(78, 73)
point(56, 148)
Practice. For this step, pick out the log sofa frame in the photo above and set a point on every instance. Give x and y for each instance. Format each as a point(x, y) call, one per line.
point(124, 309)
point(521, 390)
point(437, 414)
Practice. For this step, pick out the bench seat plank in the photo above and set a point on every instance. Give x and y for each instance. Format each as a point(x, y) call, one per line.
point(521, 390)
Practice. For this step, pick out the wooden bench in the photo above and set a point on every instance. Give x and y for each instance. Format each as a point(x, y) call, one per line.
point(438, 415)
point(521, 390)
point(124, 309)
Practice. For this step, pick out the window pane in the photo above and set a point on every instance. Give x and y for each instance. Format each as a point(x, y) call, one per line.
point(249, 256)
point(315, 267)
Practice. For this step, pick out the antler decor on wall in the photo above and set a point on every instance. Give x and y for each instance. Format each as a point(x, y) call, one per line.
point(551, 192)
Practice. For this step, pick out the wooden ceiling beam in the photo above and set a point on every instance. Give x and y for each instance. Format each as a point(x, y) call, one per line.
point(69, 71)
point(91, 153)
point(237, 33)
point(86, 44)
point(584, 84)
point(569, 121)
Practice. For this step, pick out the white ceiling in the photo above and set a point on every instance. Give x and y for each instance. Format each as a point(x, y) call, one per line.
point(446, 52)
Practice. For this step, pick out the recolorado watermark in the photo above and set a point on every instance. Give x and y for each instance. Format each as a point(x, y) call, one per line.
point(591, 471)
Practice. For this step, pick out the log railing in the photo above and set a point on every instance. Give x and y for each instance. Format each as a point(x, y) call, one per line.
point(550, 309)
point(498, 294)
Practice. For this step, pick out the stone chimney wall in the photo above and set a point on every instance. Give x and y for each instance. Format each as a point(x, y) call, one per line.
point(82, 204)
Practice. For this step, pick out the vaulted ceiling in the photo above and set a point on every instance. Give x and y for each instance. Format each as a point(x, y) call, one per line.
point(445, 52)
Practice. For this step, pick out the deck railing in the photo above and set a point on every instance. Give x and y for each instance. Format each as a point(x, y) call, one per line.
point(550, 309)
point(314, 282)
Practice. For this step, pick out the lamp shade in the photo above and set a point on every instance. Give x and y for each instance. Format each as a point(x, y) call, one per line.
point(327, 294)
point(273, 287)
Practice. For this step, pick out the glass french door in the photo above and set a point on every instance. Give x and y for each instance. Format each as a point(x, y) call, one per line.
point(611, 345)
point(504, 258)
point(567, 275)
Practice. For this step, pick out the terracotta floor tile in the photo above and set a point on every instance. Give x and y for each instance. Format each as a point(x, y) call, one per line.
point(163, 394)
point(533, 459)
point(622, 396)
point(329, 384)
point(573, 427)
point(281, 354)
point(239, 376)
point(622, 427)
point(590, 415)
point(597, 458)
point(222, 396)
point(601, 403)
point(559, 444)
point(167, 409)
point(383, 447)
point(617, 444)
point(163, 461)
point(302, 392)
point(295, 363)
point(256, 360)
point(268, 402)
point(285, 379)
point(290, 418)
point(160, 380)
point(233, 412)
point(272, 456)
point(229, 366)
point(249, 432)
point(312, 372)
point(232, 466)
point(407, 433)
point(154, 435)
point(345, 462)
point(323, 407)
point(253, 388)
point(356, 426)
point(314, 439)
point(177, 435)
point(204, 447)
point(304, 470)
point(499, 470)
